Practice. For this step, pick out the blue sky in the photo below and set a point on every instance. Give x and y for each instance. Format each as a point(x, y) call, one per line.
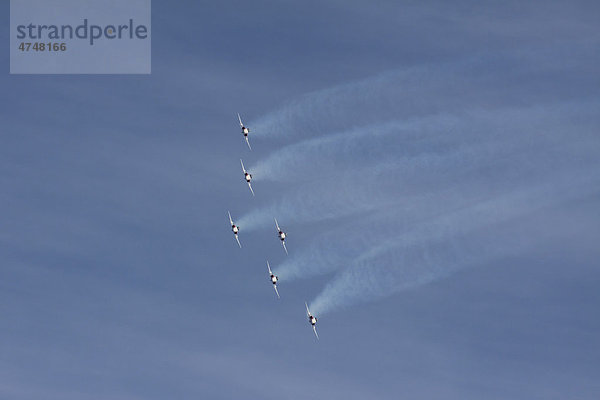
point(466, 197)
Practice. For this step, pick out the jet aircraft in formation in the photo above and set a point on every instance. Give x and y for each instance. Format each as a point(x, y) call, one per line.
point(312, 320)
point(273, 279)
point(235, 229)
point(245, 131)
point(280, 233)
point(247, 177)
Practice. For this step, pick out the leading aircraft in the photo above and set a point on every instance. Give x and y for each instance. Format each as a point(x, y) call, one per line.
point(245, 131)
point(247, 177)
point(274, 279)
point(235, 229)
point(312, 320)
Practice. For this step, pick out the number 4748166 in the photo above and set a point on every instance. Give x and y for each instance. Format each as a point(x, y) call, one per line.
point(43, 46)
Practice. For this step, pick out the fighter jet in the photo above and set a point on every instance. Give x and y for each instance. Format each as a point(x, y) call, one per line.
point(245, 131)
point(274, 279)
point(281, 235)
point(247, 177)
point(235, 229)
point(312, 320)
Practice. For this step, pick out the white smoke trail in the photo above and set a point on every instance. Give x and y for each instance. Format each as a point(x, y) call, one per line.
point(330, 149)
point(335, 248)
point(362, 191)
point(329, 109)
point(334, 199)
point(412, 267)
point(325, 149)
point(455, 241)
point(405, 93)
point(476, 131)
point(422, 173)
point(435, 217)
point(442, 156)
point(386, 96)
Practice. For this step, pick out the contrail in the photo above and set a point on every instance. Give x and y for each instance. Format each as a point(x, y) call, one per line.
point(334, 249)
point(443, 215)
point(364, 191)
point(455, 167)
point(334, 199)
point(400, 94)
point(330, 149)
point(475, 235)
point(463, 161)
point(325, 149)
point(466, 135)
point(412, 266)
point(386, 96)
point(326, 110)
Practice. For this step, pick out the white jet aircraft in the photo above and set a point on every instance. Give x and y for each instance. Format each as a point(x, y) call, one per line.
point(274, 279)
point(245, 131)
point(281, 235)
point(312, 319)
point(235, 229)
point(247, 177)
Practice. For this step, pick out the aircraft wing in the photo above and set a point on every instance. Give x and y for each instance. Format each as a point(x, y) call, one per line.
point(243, 169)
point(250, 186)
point(230, 220)
point(247, 141)
point(307, 310)
point(240, 118)
point(277, 225)
point(315, 330)
point(276, 291)
point(269, 267)
point(238, 240)
point(285, 248)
